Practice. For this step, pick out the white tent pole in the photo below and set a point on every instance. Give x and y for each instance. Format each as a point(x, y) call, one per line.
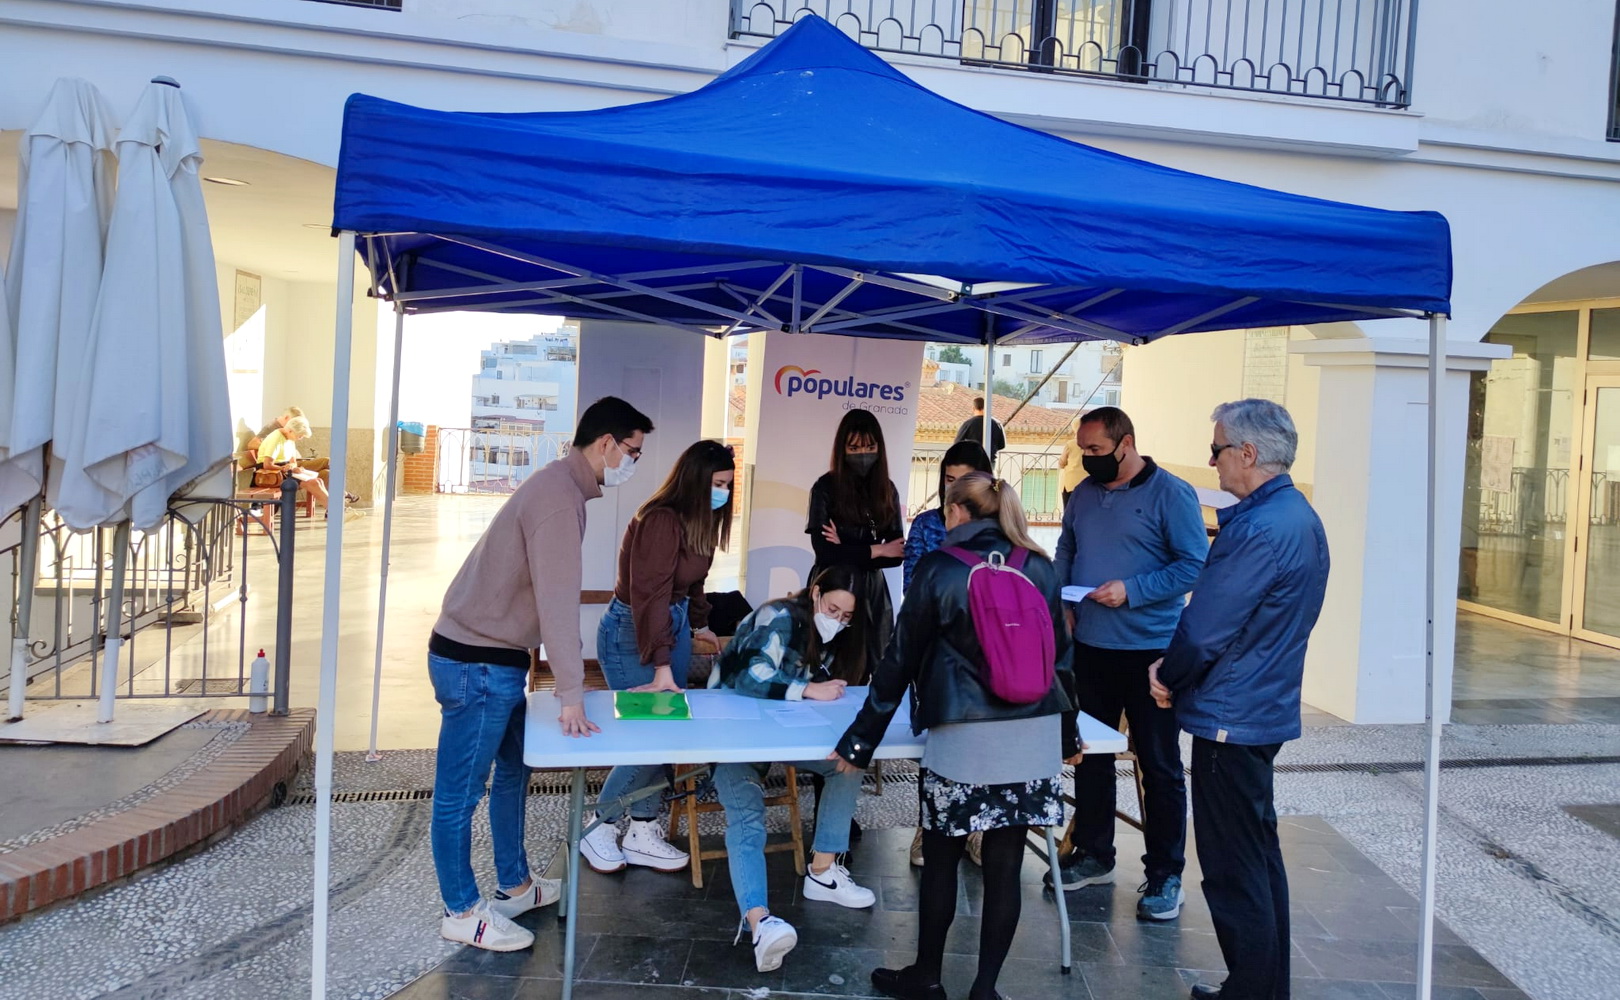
point(26, 570)
point(326, 706)
point(114, 619)
point(1432, 711)
point(989, 388)
point(389, 493)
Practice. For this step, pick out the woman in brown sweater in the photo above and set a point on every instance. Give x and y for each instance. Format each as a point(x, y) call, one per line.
point(644, 642)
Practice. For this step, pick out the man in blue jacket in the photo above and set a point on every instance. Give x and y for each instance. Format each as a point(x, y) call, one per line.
point(1134, 539)
point(1233, 672)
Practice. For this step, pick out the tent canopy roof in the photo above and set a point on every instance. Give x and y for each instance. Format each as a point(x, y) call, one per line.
point(814, 187)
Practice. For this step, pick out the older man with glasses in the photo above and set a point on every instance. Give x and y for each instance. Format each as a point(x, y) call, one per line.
point(1233, 672)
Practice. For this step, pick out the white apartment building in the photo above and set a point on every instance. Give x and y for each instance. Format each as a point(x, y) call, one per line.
point(1502, 116)
point(1089, 376)
point(523, 406)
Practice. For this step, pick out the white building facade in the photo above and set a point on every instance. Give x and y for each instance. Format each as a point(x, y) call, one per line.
point(1501, 120)
point(523, 406)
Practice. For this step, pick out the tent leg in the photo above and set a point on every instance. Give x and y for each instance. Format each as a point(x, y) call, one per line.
point(388, 529)
point(326, 705)
point(989, 387)
point(27, 567)
point(1432, 711)
point(115, 624)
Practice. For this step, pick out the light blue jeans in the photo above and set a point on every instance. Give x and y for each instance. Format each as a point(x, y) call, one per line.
point(622, 668)
point(481, 708)
point(740, 791)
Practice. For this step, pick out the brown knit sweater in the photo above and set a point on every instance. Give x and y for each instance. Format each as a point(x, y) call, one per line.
point(519, 587)
point(656, 569)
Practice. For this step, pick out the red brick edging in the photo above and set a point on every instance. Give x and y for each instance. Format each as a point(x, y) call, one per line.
point(231, 788)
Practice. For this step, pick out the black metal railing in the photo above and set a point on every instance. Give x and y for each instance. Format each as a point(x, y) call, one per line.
point(184, 611)
point(379, 4)
point(1614, 81)
point(1345, 50)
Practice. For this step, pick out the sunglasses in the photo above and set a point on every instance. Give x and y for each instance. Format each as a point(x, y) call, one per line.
point(1216, 449)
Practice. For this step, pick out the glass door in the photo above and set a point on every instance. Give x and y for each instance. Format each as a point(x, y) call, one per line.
point(1597, 540)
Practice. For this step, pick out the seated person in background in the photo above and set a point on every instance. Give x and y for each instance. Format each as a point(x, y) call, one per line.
point(799, 647)
point(321, 466)
point(278, 452)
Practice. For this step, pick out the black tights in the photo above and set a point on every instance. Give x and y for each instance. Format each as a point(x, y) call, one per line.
point(1003, 854)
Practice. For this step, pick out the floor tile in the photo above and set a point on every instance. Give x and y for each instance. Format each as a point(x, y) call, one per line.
point(1334, 989)
point(457, 986)
point(637, 959)
point(1408, 991)
point(843, 972)
point(1168, 947)
point(1132, 982)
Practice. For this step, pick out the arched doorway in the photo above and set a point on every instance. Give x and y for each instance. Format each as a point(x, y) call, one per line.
point(1541, 504)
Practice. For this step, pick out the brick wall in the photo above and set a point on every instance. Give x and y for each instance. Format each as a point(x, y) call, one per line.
point(418, 469)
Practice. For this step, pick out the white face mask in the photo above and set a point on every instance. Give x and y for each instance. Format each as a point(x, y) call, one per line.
point(620, 474)
point(828, 627)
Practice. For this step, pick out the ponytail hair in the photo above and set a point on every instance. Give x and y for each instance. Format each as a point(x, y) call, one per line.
point(983, 495)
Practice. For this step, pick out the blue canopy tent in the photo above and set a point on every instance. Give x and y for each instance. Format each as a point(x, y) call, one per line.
point(813, 188)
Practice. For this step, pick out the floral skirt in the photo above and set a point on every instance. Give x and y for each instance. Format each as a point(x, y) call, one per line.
point(956, 809)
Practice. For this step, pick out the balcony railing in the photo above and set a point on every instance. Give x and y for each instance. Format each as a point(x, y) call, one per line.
point(1343, 50)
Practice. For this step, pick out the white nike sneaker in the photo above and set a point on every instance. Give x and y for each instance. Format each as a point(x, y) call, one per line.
point(486, 929)
point(543, 892)
point(600, 848)
point(836, 886)
point(773, 939)
point(644, 844)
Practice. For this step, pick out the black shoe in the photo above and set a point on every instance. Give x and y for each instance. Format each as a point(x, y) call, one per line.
point(901, 984)
point(1203, 991)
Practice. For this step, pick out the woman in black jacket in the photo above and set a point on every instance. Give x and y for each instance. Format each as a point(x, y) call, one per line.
point(854, 521)
point(990, 765)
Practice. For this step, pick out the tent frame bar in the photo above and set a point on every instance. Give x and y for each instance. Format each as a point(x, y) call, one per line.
point(1433, 711)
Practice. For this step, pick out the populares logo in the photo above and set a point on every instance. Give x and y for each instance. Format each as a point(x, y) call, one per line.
point(791, 380)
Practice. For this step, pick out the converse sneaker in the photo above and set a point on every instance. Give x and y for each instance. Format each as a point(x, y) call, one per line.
point(600, 849)
point(541, 892)
point(835, 886)
point(644, 844)
point(486, 929)
point(773, 939)
point(1161, 898)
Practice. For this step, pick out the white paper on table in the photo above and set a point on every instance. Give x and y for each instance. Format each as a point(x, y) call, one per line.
point(723, 705)
point(1077, 594)
point(796, 715)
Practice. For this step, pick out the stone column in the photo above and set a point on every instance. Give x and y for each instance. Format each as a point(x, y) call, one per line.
point(1366, 661)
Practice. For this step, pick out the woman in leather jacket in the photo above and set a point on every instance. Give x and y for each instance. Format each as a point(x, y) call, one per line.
point(990, 765)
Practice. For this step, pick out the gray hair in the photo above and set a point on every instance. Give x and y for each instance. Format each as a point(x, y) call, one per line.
point(298, 426)
point(1265, 425)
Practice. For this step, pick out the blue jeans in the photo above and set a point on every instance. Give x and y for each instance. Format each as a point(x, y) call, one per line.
point(622, 668)
point(740, 791)
point(481, 708)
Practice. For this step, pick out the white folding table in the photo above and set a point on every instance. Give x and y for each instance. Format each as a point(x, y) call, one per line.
point(726, 728)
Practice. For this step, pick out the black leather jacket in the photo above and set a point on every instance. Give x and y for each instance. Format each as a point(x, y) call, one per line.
point(935, 654)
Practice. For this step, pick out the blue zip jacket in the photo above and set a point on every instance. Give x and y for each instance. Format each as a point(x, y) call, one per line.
point(1236, 661)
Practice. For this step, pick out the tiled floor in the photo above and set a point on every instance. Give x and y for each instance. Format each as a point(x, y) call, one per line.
point(1352, 926)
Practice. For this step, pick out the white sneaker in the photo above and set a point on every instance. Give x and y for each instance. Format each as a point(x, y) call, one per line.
point(486, 929)
point(600, 848)
point(773, 939)
point(543, 892)
point(836, 886)
point(645, 845)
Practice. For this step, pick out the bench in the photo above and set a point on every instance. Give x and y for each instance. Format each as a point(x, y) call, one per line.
point(247, 460)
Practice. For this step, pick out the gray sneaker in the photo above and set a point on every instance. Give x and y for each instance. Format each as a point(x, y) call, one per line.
point(1161, 898)
point(1080, 870)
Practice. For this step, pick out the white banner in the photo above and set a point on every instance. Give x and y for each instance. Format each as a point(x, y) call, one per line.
point(804, 385)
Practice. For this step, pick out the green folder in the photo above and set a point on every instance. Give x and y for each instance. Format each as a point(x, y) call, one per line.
point(650, 705)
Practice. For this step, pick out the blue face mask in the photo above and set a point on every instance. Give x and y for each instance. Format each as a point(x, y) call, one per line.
point(718, 496)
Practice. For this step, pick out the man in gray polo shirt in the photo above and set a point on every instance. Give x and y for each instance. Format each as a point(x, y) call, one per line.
point(1134, 538)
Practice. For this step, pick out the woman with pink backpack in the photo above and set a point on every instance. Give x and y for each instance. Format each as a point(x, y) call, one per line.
point(982, 650)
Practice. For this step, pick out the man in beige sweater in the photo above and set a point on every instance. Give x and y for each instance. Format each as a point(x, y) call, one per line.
point(519, 588)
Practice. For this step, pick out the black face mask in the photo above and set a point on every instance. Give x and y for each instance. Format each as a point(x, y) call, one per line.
point(861, 463)
point(1103, 468)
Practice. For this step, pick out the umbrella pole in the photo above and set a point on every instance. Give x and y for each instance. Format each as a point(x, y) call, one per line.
point(389, 493)
point(326, 705)
point(27, 567)
point(1432, 710)
point(114, 623)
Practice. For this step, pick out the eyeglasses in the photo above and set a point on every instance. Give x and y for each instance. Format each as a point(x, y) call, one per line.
point(634, 451)
point(1216, 449)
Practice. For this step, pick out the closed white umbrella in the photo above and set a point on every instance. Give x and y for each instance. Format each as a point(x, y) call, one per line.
point(65, 187)
point(155, 410)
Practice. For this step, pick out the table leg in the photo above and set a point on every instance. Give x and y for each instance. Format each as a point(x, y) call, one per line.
point(568, 906)
point(1062, 904)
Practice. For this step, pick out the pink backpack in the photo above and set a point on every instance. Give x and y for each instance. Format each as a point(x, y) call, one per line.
point(1013, 623)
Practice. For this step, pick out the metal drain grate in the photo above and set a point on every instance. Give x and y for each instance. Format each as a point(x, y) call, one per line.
point(216, 685)
point(392, 795)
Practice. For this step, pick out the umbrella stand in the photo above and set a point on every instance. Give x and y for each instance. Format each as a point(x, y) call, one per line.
point(388, 528)
point(27, 567)
point(114, 623)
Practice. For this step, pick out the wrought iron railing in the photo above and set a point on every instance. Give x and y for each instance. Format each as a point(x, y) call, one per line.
point(183, 617)
point(1034, 474)
point(1345, 50)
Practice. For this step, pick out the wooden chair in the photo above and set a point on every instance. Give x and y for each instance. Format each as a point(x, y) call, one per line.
point(690, 808)
point(270, 496)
